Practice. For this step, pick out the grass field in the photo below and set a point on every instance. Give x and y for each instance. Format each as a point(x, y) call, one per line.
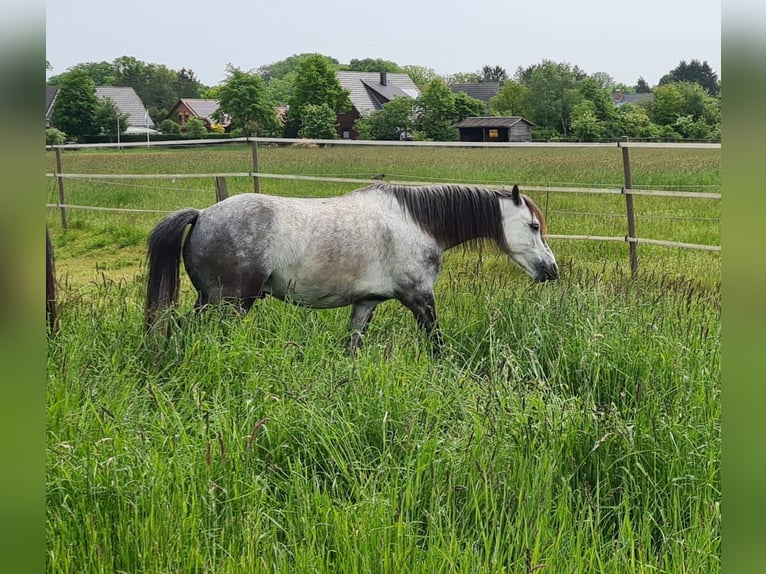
point(570, 427)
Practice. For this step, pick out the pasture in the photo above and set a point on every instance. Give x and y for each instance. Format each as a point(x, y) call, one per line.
point(571, 426)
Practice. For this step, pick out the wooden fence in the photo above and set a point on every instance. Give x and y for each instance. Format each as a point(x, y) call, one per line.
point(222, 191)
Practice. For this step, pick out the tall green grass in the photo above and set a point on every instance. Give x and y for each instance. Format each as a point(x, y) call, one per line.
point(569, 427)
point(572, 426)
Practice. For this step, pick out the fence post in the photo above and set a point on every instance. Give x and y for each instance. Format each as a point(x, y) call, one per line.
point(221, 188)
point(60, 178)
point(629, 207)
point(256, 168)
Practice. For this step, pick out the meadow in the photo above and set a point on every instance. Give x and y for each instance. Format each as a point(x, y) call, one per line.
point(572, 426)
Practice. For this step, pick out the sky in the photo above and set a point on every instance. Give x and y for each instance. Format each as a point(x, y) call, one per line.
point(625, 40)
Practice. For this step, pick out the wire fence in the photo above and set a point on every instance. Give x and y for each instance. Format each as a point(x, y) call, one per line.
point(628, 191)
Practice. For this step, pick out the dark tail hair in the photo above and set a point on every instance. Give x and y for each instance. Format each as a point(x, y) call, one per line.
point(164, 257)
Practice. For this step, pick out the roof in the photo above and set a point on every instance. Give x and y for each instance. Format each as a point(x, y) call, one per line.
point(483, 91)
point(203, 108)
point(127, 101)
point(50, 98)
point(492, 122)
point(368, 94)
point(619, 99)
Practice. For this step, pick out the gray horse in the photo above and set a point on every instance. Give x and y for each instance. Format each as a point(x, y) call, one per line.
point(373, 244)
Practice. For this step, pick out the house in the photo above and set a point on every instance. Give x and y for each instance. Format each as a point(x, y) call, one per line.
point(203, 109)
point(129, 104)
point(368, 91)
point(483, 91)
point(495, 129)
point(619, 99)
point(50, 100)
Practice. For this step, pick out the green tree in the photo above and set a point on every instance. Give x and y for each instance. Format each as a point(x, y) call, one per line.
point(168, 126)
point(436, 112)
point(667, 105)
point(467, 107)
point(108, 120)
point(102, 73)
point(693, 72)
point(315, 83)
point(373, 65)
point(76, 105)
point(318, 122)
point(641, 86)
point(244, 98)
point(633, 121)
point(420, 75)
point(393, 122)
point(554, 91)
point(586, 126)
point(513, 99)
point(463, 78)
point(493, 74)
point(194, 128)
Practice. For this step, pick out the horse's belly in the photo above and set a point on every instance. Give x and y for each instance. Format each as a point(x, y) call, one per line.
point(324, 292)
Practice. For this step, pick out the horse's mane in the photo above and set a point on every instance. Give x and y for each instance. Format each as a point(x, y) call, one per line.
point(455, 214)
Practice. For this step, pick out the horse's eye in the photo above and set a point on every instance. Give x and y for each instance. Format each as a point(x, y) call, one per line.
point(535, 226)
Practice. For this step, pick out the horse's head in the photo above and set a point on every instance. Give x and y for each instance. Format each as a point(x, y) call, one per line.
point(524, 227)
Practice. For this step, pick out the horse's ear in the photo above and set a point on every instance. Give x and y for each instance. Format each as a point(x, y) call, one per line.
point(515, 195)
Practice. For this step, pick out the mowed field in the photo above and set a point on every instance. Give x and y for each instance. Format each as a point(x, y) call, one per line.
point(569, 427)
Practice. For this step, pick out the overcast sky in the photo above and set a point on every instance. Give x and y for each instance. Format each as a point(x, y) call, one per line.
point(625, 40)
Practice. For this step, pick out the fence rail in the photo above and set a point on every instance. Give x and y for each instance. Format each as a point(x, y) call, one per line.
point(628, 191)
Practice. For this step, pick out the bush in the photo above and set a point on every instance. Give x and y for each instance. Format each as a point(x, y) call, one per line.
point(194, 129)
point(54, 137)
point(168, 126)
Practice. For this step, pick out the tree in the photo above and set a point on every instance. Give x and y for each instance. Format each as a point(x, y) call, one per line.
point(316, 83)
point(493, 74)
point(393, 122)
point(586, 126)
point(318, 122)
point(102, 73)
point(463, 78)
point(641, 86)
point(436, 112)
point(194, 128)
point(244, 98)
point(603, 80)
point(513, 99)
point(634, 122)
point(693, 72)
point(108, 120)
point(666, 107)
point(420, 75)
point(168, 126)
point(76, 105)
point(553, 88)
point(466, 107)
point(373, 65)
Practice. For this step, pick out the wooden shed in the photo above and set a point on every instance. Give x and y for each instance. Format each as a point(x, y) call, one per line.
point(495, 129)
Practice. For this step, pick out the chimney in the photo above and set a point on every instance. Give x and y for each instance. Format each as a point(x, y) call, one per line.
point(383, 78)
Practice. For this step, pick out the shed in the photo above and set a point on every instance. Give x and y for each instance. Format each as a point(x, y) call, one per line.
point(495, 129)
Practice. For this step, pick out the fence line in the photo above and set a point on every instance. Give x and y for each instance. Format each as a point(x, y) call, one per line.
point(628, 191)
point(385, 143)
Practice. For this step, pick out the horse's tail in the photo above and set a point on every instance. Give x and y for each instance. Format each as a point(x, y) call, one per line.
point(164, 259)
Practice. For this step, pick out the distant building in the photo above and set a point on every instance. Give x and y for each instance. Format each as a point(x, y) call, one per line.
point(368, 91)
point(129, 104)
point(619, 99)
point(483, 91)
point(495, 129)
point(204, 109)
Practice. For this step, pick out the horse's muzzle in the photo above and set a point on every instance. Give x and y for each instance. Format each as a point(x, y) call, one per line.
point(547, 273)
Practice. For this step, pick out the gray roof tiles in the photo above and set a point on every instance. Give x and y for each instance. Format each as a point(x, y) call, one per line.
point(127, 101)
point(365, 87)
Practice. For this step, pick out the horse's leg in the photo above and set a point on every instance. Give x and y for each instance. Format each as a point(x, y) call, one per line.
point(423, 306)
point(361, 314)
